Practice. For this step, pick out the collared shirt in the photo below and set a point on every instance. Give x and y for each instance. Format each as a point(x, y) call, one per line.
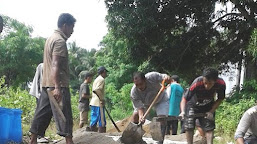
point(142, 99)
point(247, 127)
point(98, 87)
point(56, 46)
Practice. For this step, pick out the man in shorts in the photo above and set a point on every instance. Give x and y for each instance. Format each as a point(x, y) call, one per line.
point(84, 96)
point(143, 93)
point(199, 98)
point(246, 132)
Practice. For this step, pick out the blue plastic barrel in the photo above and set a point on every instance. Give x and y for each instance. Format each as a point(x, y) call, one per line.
point(5, 119)
point(15, 134)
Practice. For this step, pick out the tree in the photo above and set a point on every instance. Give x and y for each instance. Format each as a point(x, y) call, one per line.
point(79, 60)
point(182, 36)
point(114, 56)
point(19, 52)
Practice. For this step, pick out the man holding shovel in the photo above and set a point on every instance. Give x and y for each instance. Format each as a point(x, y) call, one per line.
point(55, 97)
point(143, 93)
point(199, 98)
point(97, 102)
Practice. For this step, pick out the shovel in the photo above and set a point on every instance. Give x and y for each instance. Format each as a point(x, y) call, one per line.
point(134, 132)
point(117, 128)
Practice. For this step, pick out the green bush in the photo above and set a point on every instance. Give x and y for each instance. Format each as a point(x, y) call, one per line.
point(17, 98)
point(119, 101)
point(230, 111)
point(228, 116)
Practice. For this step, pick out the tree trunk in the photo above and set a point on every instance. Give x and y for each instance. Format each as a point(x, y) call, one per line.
point(251, 70)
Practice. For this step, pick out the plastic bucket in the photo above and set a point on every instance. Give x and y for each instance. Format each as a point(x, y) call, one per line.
point(15, 132)
point(5, 120)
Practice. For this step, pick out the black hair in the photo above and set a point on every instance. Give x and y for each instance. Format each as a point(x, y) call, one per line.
point(88, 75)
point(175, 78)
point(65, 18)
point(210, 73)
point(138, 74)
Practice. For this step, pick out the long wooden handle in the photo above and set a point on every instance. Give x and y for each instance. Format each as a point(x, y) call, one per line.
point(155, 99)
point(117, 128)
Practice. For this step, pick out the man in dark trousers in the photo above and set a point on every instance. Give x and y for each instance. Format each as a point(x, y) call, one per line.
point(55, 78)
point(199, 98)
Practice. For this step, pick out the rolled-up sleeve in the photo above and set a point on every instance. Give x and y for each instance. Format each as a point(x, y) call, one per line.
point(243, 126)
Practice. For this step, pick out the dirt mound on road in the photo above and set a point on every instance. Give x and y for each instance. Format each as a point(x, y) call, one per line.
point(122, 124)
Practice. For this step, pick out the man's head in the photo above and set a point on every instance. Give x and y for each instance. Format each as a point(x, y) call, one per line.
point(1, 24)
point(139, 80)
point(88, 77)
point(66, 23)
point(102, 71)
point(175, 78)
point(210, 75)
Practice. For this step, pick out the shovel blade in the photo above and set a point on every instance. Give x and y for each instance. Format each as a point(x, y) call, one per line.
point(155, 130)
point(132, 134)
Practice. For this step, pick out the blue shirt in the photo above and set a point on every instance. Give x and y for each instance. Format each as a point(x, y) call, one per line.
point(175, 99)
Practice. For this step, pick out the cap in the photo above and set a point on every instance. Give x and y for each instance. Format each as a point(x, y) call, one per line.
point(101, 69)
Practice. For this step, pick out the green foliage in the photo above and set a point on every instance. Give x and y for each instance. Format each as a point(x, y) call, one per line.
point(79, 60)
point(114, 57)
point(119, 101)
point(185, 36)
point(253, 44)
point(228, 116)
point(230, 112)
point(17, 98)
point(249, 91)
point(19, 52)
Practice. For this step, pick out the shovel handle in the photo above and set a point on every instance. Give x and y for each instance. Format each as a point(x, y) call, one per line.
point(155, 99)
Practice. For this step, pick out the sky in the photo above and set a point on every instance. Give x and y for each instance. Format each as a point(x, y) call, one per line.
point(42, 15)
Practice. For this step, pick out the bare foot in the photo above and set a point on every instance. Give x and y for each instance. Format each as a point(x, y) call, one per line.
point(69, 140)
point(33, 139)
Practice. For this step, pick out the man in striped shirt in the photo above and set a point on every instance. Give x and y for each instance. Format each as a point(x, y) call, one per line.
point(200, 98)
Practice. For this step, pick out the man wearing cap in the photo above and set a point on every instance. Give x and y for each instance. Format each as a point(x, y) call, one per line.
point(97, 102)
point(84, 96)
point(1, 24)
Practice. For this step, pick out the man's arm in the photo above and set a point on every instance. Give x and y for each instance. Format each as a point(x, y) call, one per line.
point(240, 141)
point(56, 62)
point(216, 105)
point(86, 92)
point(242, 127)
point(84, 95)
